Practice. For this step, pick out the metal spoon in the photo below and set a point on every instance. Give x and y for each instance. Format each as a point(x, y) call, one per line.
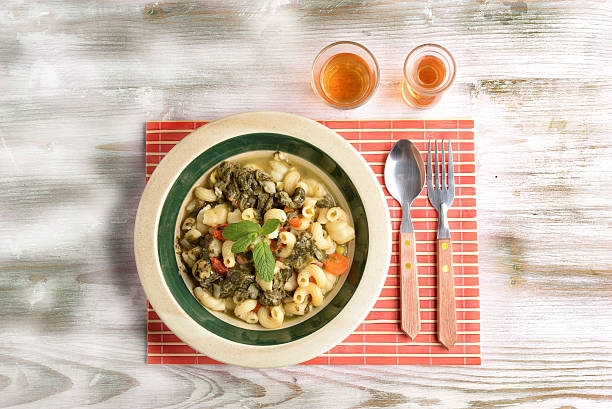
point(405, 178)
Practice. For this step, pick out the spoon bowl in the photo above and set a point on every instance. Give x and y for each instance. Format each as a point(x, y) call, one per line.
point(404, 172)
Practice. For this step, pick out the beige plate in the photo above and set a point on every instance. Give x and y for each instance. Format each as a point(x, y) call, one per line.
point(182, 322)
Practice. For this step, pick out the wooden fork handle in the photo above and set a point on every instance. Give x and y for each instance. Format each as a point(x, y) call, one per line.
point(447, 315)
point(411, 315)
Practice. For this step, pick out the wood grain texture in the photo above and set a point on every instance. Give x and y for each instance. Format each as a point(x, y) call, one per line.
point(80, 78)
point(447, 311)
point(410, 310)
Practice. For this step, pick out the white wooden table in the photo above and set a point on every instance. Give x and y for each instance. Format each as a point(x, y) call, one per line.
point(79, 79)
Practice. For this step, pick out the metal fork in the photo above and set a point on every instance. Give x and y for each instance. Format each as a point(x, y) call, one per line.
point(441, 198)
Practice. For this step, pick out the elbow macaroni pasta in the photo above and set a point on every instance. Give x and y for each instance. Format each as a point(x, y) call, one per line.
point(317, 273)
point(340, 232)
point(229, 259)
point(288, 239)
point(309, 209)
point(259, 192)
point(215, 216)
point(205, 195)
point(265, 285)
point(321, 237)
point(200, 225)
point(271, 317)
point(276, 214)
point(235, 216)
point(301, 294)
point(336, 214)
point(322, 219)
point(207, 300)
point(291, 179)
point(291, 283)
point(269, 186)
point(292, 308)
point(244, 311)
point(315, 188)
point(278, 169)
point(249, 214)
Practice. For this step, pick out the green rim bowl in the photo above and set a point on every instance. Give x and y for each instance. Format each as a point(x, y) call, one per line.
point(215, 334)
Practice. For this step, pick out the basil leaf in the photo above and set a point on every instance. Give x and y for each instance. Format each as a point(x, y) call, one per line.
point(243, 243)
point(235, 231)
point(264, 261)
point(270, 226)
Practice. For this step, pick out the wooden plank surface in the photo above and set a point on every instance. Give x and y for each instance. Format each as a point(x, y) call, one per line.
point(80, 78)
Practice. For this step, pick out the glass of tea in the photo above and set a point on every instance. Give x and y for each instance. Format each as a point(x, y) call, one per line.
point(429, 70)
point(345, 74)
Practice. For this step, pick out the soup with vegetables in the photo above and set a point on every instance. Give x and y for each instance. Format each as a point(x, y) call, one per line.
point(264, 241)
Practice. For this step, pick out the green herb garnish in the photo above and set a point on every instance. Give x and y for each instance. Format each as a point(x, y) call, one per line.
point(270, 226)
point(243, 243)
point(235, 231)
point(264, 260)
point(244, 233)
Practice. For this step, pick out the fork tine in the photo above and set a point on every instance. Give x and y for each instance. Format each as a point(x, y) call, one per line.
point(443, 179)
point(451, 172)
point(436, 173)
point(429, 182)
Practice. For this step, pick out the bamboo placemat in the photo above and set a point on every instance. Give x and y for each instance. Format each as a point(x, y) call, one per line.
point(378, 340)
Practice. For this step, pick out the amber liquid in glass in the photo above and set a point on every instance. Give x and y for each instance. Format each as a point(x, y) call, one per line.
point(345, 79)
point(429, 72)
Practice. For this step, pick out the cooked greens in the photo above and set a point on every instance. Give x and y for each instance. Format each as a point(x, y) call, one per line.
point(257, 243)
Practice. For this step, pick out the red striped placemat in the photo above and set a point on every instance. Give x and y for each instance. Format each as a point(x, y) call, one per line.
point(378, 340)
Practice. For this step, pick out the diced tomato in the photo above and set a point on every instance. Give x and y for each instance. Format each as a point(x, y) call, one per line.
point(296, 222)
point(217, 231)
point(287, 209)
point(336, 264)
point(256, 308)
point(275, 245)
point(218, 265)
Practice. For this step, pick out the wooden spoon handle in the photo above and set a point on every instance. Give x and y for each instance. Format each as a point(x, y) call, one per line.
point(447, 315)
point(411, 315)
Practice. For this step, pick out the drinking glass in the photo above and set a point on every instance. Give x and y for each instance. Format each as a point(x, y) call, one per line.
point(345, 74)
point(429, 70)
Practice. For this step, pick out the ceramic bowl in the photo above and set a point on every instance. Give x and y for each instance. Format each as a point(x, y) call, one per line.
point(169, 287)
